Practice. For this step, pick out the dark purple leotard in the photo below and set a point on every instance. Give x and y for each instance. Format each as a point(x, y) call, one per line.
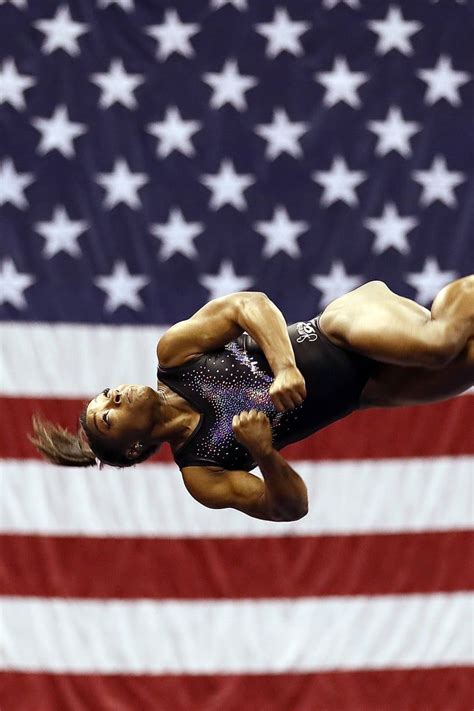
point(237, 377)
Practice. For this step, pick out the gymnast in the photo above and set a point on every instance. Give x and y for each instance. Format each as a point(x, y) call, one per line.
point(236, 384)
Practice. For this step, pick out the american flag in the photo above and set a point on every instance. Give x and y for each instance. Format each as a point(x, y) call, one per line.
point(153, 156)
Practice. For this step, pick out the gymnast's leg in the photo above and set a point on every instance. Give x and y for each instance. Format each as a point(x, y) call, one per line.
point(398, 386)
point(374, 321)
point(455, 305)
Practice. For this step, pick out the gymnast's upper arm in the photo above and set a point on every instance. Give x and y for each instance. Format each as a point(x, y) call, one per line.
point(210, 328)
point(220, 488)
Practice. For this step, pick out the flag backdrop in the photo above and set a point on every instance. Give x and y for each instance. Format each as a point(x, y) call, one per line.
point(155, 155)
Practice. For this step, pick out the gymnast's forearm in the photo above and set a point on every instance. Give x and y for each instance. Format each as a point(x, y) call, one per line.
point(265, 323)
point(285, 490)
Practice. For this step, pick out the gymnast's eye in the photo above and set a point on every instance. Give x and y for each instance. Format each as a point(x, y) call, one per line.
point(106, 392)
point(105, 417)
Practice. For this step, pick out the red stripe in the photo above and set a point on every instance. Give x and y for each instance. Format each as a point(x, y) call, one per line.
point(237, 568)
point(425, 431)
point(443, 689)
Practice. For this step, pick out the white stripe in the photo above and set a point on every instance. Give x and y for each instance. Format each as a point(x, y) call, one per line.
point(262, 636)
point(36, 358)
point(150, 500)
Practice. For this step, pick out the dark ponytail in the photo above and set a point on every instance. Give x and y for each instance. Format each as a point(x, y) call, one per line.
point(83, 449)
point(60, 446)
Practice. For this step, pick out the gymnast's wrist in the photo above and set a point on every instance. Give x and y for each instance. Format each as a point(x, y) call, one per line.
point(282, 366)
point(263, 453)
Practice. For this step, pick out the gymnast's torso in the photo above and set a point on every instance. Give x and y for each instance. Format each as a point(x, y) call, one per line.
point(237, 377)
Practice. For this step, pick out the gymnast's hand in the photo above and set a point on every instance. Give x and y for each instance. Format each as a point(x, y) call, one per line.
point(252, 429)
point(288, 390)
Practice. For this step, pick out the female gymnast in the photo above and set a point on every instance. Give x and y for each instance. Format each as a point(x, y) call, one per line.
point(236, 384)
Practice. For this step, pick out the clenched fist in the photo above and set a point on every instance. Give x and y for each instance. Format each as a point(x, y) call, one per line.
point(288, 390)
point(252, 429)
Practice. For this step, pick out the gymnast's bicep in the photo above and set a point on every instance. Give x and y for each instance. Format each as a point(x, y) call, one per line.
point(210, 328)
point(221, 488)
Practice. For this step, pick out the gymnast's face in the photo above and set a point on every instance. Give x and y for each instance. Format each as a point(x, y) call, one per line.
point(123, 414)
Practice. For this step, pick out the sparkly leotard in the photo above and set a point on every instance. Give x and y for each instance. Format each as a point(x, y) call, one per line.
point(237, 377)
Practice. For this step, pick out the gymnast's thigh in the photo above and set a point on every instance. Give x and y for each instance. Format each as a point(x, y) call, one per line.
point(381, 325)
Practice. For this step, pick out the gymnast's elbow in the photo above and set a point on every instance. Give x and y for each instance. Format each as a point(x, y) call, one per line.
point(300, 512)
point(293, 512)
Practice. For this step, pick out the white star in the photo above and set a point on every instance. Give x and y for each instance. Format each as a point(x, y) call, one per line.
point(13, 284)
point(227, 186)
point(173, 35)
point(12, 85)
point(282, 34)
point(335, 284)
point(122, 185)
point(117, 86)
point(121, 288)
point(430, 281)
point(174, 133)
point(281, 233)
point(61, 32)
point(239, 4)
point(390, 230)
point(341, 84)
point(229, 86)
point(20, 4)
point(438, 183)
point(443, 82)
point(394, 32)
point(177, 235)
point(12, 184)
point(58, 132)
point(329, 4)
point(61, 233)
point(339, 183)
point(124, 4)
point(282, 135)
point(394, 133)
point(225, 281)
